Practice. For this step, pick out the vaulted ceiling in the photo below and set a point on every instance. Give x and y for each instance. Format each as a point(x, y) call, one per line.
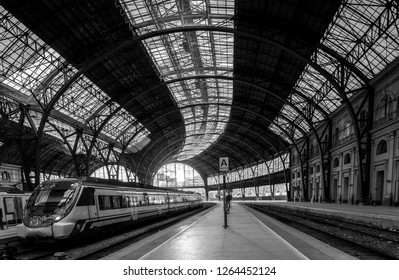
point(176, 80)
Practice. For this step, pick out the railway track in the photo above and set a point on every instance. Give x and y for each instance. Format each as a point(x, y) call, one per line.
point(359, 240)
point(96, 247)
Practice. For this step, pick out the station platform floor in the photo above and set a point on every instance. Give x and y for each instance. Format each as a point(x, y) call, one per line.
point(383, 216)
point(245, 238)
point(248, 235)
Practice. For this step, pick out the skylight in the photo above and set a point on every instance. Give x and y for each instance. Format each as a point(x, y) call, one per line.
point(32, 68)
point(187, 54)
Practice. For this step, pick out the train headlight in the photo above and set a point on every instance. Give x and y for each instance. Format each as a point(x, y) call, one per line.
point(60, 213)
point(56, 218)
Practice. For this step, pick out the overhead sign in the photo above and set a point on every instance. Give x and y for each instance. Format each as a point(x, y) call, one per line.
point(223, 164)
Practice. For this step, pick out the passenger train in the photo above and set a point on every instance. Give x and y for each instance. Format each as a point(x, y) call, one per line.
point(65, 208)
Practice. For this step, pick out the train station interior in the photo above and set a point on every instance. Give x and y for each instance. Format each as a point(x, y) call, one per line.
point(277, 101)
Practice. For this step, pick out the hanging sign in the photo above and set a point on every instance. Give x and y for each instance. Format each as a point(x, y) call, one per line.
point(223, 164)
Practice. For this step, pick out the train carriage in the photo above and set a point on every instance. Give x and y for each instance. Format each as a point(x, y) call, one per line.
point(64, 208)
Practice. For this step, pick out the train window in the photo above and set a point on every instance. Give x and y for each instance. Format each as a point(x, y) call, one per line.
point(100, 203)
point(116, 202)
point(104, 202)
point(125, 201)
point(141, 200)
point(87, 197)
point(133, 201)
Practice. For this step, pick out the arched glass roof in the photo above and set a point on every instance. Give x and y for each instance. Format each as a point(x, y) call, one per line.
point(177, 175)
point(285, 80)
point(31, 67)
point(365, 34)
point(187, 54)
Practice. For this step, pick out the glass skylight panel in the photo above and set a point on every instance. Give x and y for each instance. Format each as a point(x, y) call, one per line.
point(62, 126)
point(188, 54)
point(365, 33)
point(27, 62)
point(278, 131)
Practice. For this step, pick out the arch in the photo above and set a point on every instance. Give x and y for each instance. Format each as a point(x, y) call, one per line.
point(5, 176)
point(329, 77)
point(221, 104)
point(216, 144)
point(347, 158)
point(347, 128)
point(336, 162)
point(260, 88)
point(180, 178)
point(382, 147)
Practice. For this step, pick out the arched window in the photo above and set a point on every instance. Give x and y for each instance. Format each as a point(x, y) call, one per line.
point(381, 147)
point(179, 175)
point(318, 168)
point(347, 129)
point(336, 162)
point(298, 174)
point(347, 159)
point(5, 176)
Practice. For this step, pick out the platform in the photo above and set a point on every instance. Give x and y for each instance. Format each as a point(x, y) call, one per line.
point(382, 216)
point(244, 238)
point(8, 232)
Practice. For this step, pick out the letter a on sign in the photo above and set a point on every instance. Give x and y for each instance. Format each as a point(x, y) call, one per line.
point(224, 164)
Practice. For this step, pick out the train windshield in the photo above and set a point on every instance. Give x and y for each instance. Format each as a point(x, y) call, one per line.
point(54, 194)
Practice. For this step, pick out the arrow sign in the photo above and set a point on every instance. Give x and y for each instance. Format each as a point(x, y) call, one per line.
point(223, 164)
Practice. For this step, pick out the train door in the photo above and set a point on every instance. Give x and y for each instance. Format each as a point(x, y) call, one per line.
point(87, 199)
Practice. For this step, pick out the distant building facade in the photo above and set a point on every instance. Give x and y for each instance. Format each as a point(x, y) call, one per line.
point(329, 171)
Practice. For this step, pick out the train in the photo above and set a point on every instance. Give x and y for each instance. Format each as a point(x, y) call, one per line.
point(12, 203)
point(71, 207)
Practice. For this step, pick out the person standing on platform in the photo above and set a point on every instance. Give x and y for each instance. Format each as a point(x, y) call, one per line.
point(228, 199)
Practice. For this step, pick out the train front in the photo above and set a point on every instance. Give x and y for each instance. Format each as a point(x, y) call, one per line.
point(46, 212)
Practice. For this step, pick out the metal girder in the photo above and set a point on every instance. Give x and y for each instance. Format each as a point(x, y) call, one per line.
point(265, 118)
point(162, 161)
point(138, 39)
point(224, 135)
point(214, 77)
point(345, 63)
